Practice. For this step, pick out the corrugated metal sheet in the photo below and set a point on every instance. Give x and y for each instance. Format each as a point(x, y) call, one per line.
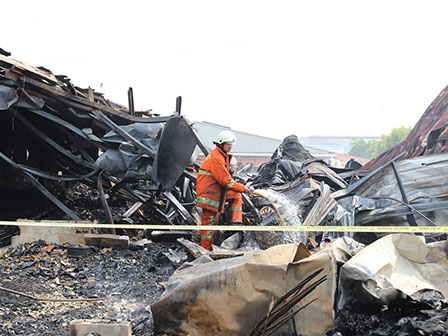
point(246, 143)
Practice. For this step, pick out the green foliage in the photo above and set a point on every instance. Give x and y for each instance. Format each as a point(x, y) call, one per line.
point(359, 148)
point(373, 148)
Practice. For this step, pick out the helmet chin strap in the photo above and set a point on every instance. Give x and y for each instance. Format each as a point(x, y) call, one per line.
point(221, 146)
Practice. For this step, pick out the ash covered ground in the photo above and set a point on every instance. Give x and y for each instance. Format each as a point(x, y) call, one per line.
point(126, 281)
point(402, 317)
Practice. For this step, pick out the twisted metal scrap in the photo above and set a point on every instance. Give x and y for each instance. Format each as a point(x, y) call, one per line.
point(278, 312)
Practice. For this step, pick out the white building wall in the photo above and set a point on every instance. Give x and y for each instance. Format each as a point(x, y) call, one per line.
point(246, 143)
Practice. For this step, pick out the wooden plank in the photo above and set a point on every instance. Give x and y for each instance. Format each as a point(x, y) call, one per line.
point(22, 66)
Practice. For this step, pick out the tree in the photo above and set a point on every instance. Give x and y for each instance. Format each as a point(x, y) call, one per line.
point(374, 148)
point(359, 148)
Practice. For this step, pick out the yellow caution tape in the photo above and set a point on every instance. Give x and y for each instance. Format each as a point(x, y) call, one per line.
point(398, 229)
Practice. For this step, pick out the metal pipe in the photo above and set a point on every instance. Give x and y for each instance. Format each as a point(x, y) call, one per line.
point(410, 218)
point(131, 101)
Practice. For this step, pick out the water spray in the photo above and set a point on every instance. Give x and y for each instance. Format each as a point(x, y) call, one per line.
point(273, 205)
point(276, 210)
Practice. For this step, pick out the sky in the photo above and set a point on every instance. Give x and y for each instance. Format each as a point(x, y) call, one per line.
point(272, 68)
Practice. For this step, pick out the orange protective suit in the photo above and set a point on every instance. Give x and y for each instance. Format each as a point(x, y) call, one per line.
point(214, 179)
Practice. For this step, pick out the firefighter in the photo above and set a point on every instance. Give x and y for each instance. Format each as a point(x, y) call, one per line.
point(215, 186)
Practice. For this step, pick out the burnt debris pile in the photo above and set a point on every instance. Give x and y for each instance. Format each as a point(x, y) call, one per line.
point(70, 154)
point(56, 136)
point(45, 287)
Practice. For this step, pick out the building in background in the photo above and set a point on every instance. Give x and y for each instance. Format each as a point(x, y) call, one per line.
point(335, 144)
point(257, 149)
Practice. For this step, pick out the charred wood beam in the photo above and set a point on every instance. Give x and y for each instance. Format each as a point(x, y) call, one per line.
point(163, 216)
point(46, 299)
point(75, 105)
point(98, 124)
point(43, 155)
point(192, 176)
point(41, 188)
point(98, 142)
point(58, 91)
point(86, 156)
point(179, 208)
point(51, 142)
point(54, 177)
point(103, 199)
point(85, 104)
point(133, 209)
point(18, 69)
point(135, 194)
point(185, 186)
point(78, 115)
point(118, 186)
point(60, 101)
point(121, 195)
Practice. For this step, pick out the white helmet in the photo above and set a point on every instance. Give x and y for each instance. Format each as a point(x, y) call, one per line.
point(225, 136)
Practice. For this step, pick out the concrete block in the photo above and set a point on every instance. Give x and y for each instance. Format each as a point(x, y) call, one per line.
point(100, 327)
point(106, 240)
point(51, 235)
point(142, 242)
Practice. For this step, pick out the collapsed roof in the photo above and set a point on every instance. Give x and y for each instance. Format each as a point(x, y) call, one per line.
point(52, 130)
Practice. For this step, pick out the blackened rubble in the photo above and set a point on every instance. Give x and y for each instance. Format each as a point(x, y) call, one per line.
point(54, 134)
point(302, 184)
point(127, 281)
point(402, 317)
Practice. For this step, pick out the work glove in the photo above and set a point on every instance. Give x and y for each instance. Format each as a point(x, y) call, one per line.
point(249, 190)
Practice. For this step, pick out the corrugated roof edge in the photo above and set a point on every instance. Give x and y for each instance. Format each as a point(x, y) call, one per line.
point(229, 128)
